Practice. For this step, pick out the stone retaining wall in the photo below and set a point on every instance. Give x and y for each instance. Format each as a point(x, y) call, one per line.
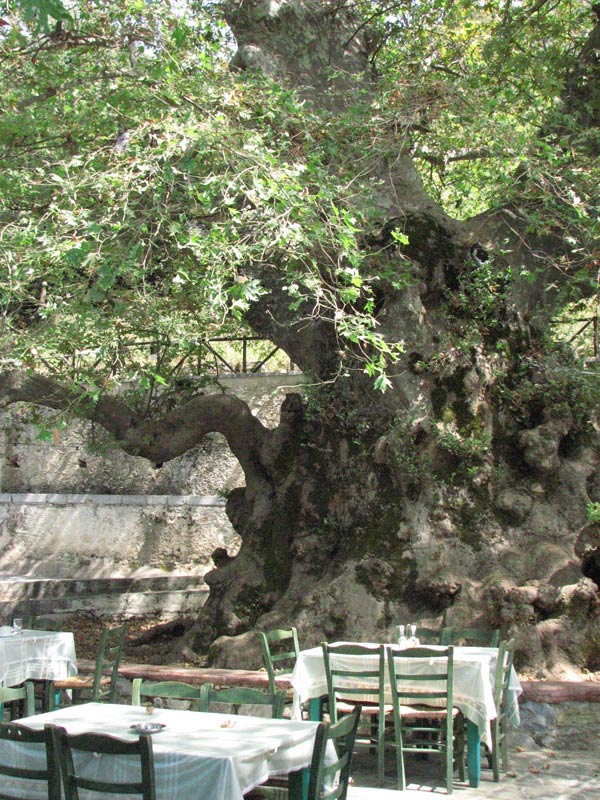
point(72, 503)
point(79, 536)
point(74, 506)
point(562, 715)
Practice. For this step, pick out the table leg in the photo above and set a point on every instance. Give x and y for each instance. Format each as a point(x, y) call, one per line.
point(315, 709)
point(301, 779)
point(473, 754)
point(298, 785)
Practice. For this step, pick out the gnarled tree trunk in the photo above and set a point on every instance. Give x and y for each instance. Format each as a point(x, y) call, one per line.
point(459, 494)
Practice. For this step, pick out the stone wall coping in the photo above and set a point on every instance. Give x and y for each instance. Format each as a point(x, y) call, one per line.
point(209, 501)
point(560, 691)
point(194, 675)
point(533, 691)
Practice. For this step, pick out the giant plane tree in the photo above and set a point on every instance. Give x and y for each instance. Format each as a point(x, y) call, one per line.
point(403, 196)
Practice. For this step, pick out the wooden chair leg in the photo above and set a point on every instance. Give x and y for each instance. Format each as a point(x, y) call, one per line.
point(380, 749)
point(449, 757)
point(495, 753)
point(373, 734)
point(401, 776)
point(504, 751)
point(49, 700)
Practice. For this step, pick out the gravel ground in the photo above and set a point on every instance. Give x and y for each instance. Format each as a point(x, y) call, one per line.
point(535, 774)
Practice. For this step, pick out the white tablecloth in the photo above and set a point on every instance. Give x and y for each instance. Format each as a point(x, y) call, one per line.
point(197, 755)
point(44, 655)
point(474, 671)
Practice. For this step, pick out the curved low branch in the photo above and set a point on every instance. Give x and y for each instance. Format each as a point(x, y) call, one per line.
point(158, 440)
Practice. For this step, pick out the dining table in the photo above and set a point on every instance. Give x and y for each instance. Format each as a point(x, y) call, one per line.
point(35, 655)
point(473, 692)
point(196, 754)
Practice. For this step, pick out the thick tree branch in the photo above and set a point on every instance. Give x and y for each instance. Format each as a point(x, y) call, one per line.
point(452, 156)
point(549, 256)
point(302, 43)
point(158, 440)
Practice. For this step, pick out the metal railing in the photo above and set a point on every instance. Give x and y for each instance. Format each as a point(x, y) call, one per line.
point(587, 321)
point(196, 357)
point(244, 367)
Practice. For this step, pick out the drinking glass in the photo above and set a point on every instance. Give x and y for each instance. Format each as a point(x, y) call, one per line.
point(17, 625)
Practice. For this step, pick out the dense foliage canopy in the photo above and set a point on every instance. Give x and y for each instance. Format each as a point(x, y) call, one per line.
point(402, 195)
point(142, 181)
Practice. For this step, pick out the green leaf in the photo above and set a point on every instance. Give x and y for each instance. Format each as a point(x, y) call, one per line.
point(40, 12)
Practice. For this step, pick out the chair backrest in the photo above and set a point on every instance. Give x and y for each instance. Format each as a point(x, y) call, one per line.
point(22, 697)
point(322, 777)
point(21, 772)
point(108, 659)
point(166, 690)
point(348, 678)
point(429, 635)
point(280, 650)
point(431, 687)
point(506, 654)
point(483, 637)
point(50, 623)
point(239, 696)
point(63, 745)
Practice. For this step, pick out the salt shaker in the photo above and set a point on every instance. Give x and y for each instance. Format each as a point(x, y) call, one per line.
point(412, 630)
point(400, 635)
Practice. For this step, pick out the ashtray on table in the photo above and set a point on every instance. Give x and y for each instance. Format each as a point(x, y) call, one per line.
point(148, 727)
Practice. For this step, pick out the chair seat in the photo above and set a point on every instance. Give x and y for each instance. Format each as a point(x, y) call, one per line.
point(289, 696)
point(426, 712)
point(80, 682)
point(368, 709)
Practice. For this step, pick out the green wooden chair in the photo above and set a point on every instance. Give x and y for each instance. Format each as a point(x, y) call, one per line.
point(326, 781)
point(429, 635)
point(62, 745)
point(50, 775)
point(477, 637)
point(102, 685)
point(425, 720)
point(142, 691)
point(499, 725)
point(49, 623)
point(343, 735)
point(346, 685)
point(280, 650)
point(236, 697)
point(45, 688)
point(20, 699)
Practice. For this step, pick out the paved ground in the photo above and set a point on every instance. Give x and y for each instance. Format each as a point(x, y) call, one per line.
point(535, 774)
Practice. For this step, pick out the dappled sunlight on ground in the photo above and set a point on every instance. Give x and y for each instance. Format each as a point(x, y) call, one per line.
point(534, 774)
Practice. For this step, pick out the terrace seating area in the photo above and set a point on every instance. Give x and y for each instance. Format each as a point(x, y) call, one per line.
point(377, 769)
